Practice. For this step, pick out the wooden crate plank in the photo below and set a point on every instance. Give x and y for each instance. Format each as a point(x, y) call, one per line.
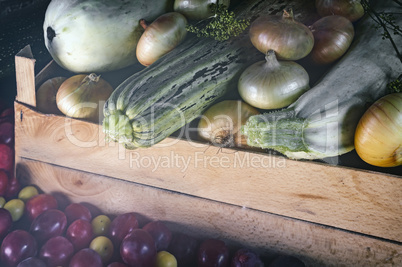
point(25, 76)
point(345, 198)
point(315, 244)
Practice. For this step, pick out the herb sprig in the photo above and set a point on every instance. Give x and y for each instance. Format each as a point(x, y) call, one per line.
point(221, 26)
point(386, 22)
point(396, 85)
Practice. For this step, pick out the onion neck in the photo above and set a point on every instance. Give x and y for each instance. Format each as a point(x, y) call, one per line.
point(288, 14)
point(271, 60)
point(144, 24)
point(89, 80)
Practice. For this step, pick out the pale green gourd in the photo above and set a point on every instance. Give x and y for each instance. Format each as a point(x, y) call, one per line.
point(86, 36)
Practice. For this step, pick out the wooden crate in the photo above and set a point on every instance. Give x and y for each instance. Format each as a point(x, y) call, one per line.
point(325, 215)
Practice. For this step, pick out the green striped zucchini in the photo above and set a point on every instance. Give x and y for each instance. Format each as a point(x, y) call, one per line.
point(157, 101)
point(152, 104)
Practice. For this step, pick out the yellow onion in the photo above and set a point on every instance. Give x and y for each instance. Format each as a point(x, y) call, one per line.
point(290, 39)
point(220, 124)
point(81, 96)
point(350, 9)
point(273, 84)
point(46, 95)
point(378, 137)
point(333, 36)
point(160, 37)
point(197, 9)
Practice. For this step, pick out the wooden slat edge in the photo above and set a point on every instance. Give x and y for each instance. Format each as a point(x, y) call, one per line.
point(315, 244)
point(25, 76)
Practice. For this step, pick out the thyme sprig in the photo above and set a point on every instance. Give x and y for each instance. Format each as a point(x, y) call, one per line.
point(386, 22)
point(396, 85)
point(221, 26)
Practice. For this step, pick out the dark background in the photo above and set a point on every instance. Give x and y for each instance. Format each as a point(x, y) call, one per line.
point(21, 24)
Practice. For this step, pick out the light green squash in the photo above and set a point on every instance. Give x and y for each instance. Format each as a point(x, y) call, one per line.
point(86, 36)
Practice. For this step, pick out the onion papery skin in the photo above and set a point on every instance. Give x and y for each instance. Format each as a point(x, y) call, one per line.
point(46, 95)
point(220, 124)
point(378, 136)
point(290, 39)
point(197, 9)
point(333, 36)
point(160, 37)
point(273, 84)
point(350, 9)
point(81, 96)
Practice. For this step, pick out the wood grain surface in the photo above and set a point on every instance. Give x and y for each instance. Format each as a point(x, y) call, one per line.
point(355, 200)
point(25, 66)
point(268, 233)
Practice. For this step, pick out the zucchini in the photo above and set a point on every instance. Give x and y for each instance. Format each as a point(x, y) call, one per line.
point(322, 122)
point(157, 101)
point(165, 96)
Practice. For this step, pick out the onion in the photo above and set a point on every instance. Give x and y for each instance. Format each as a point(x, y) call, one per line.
point(378, 137)
point(160, 37)
point(220, 124)
point(290, 39)
point(46, 95)
point(332, 37)
point(273, 84)
point(81, 95)
point(197, 9)
point(350, 9)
